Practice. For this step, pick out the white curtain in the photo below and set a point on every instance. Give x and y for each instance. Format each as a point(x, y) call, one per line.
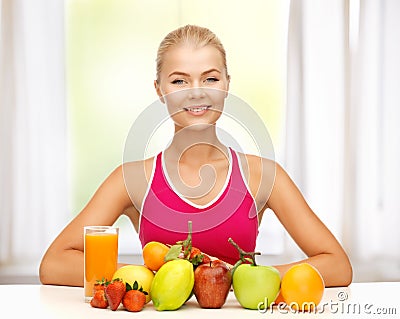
point(374, 126)
point(343, 113)
point(33, 118)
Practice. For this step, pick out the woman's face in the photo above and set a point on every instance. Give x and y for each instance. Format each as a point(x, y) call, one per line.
point(193, 83)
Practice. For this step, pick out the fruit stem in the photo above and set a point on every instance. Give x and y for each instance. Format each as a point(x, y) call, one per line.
point(187, 243)
point(243, 254)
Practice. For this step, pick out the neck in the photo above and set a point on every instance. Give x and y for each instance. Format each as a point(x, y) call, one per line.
point(196, 145)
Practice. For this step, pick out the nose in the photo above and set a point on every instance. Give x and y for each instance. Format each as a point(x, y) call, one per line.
point(196, 93)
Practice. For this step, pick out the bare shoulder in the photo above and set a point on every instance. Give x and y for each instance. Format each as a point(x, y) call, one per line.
point(259, 173)
point(258, 164)
point(136, 176)
point(140, 169)
point(255, 167)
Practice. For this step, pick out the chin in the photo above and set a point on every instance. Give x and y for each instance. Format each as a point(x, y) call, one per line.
point(194, 124)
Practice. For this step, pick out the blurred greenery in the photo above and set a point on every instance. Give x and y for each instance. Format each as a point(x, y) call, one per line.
point(111, 49)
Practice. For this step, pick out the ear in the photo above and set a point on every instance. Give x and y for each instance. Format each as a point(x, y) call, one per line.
point(158, 90)
point(227, 86)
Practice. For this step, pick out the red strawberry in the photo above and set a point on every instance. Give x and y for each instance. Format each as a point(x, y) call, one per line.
point(99, 299)
point(194, 252)
point(100, 285)
point(115, 291)
point(134, 300)
point(197, 257)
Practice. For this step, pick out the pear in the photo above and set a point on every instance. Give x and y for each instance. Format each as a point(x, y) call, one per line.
point(172, 284)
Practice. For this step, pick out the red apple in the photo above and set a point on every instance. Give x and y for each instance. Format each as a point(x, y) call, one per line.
point(212, 282)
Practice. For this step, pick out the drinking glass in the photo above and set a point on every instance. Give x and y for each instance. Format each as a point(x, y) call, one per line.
point(100, 255)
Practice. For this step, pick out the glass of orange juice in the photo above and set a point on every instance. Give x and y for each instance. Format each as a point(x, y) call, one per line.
point(101, 255)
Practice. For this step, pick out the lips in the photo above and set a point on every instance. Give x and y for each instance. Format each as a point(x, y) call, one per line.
point(197, 109)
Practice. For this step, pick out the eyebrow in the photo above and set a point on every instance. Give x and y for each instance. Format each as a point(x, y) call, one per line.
point(188, 75)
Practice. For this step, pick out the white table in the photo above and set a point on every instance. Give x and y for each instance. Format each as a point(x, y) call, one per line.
point(360, 300)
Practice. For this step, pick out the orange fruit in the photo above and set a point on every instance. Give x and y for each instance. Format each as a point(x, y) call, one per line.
point(302, 287)
point(279, 299)
point(153, 254)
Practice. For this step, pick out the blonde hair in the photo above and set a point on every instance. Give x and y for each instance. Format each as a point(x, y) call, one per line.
point(189, 34)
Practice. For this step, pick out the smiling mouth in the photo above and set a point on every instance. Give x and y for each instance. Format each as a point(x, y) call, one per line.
point(197, 109)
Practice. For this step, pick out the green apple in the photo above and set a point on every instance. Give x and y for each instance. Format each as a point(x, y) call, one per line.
point(256, 287)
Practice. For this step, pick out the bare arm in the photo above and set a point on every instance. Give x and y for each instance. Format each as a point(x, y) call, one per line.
point(62, 263)
point(311, 235)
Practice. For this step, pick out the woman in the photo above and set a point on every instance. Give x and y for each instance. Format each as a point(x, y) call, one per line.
point(226, 199)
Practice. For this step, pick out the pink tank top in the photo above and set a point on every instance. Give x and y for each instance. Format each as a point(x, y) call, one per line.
point(165, 214)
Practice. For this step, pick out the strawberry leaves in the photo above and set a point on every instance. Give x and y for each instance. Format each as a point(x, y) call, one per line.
point(197, 259)
point(135, 286)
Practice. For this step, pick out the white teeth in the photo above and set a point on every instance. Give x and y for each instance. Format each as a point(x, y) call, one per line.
point(196, 109)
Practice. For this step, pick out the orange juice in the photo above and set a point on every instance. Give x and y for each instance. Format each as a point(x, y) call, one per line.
point(101, 256)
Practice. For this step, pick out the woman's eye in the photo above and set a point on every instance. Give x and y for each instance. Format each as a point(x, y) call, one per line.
point(211, 80)
point(178, 82)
